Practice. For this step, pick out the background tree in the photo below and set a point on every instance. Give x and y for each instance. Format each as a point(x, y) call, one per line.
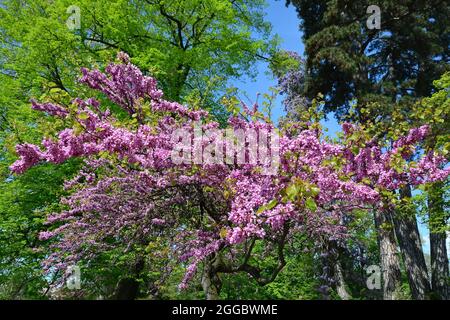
point(349, 63)
point(366, 75)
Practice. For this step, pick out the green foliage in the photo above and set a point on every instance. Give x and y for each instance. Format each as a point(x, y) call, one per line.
point(24, 202)
point(382, 70)
point(183, 44)
point(192, 47)
point(297, 281)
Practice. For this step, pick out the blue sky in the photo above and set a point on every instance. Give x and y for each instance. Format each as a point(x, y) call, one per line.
point(286, 24)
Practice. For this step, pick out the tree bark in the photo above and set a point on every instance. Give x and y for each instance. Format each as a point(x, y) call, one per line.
point(341, 286)
point(390, 262)
point(334, 263)
point(438, 249)
point(408, 237)
point(439, 266)
point(210, 280)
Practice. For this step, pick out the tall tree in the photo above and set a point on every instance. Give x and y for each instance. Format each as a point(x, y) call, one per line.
point(185, 44)
point(367, 74)
point(347, 61)
point(435, 110)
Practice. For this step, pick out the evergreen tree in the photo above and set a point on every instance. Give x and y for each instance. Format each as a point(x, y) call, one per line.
point(369, 75)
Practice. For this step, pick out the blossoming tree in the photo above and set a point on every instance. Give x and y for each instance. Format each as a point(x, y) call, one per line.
point(211, 213)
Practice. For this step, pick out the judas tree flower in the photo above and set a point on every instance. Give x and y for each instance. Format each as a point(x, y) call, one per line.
point(45, 235)
point(139, 193)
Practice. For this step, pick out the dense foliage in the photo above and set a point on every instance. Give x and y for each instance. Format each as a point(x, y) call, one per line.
point(149, 175)
point(209, 212)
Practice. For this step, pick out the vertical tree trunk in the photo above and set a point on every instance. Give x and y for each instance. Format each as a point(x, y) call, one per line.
point(335, 266)
point(390, 263)
point(210, 280)
point(438, 248)
point(341, 286)
point(439, 266)
point(178, 82)
point(408, 237)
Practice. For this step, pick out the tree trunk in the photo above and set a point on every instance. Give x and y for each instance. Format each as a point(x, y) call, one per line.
point(210, 280)
point(439, 266)
point(333, 260)
point(438, 248)
point(341, 286)
point(408, 237)
point(178, 82)
point(390, 263)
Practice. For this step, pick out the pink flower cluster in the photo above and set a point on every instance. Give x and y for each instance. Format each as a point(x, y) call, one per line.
point(316, 185)
point(50, 108)
point(378, 165)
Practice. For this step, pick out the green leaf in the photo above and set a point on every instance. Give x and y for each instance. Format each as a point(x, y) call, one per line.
point(268, 206)
point(83, 116)
point(311, 204)
point(292, 191)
